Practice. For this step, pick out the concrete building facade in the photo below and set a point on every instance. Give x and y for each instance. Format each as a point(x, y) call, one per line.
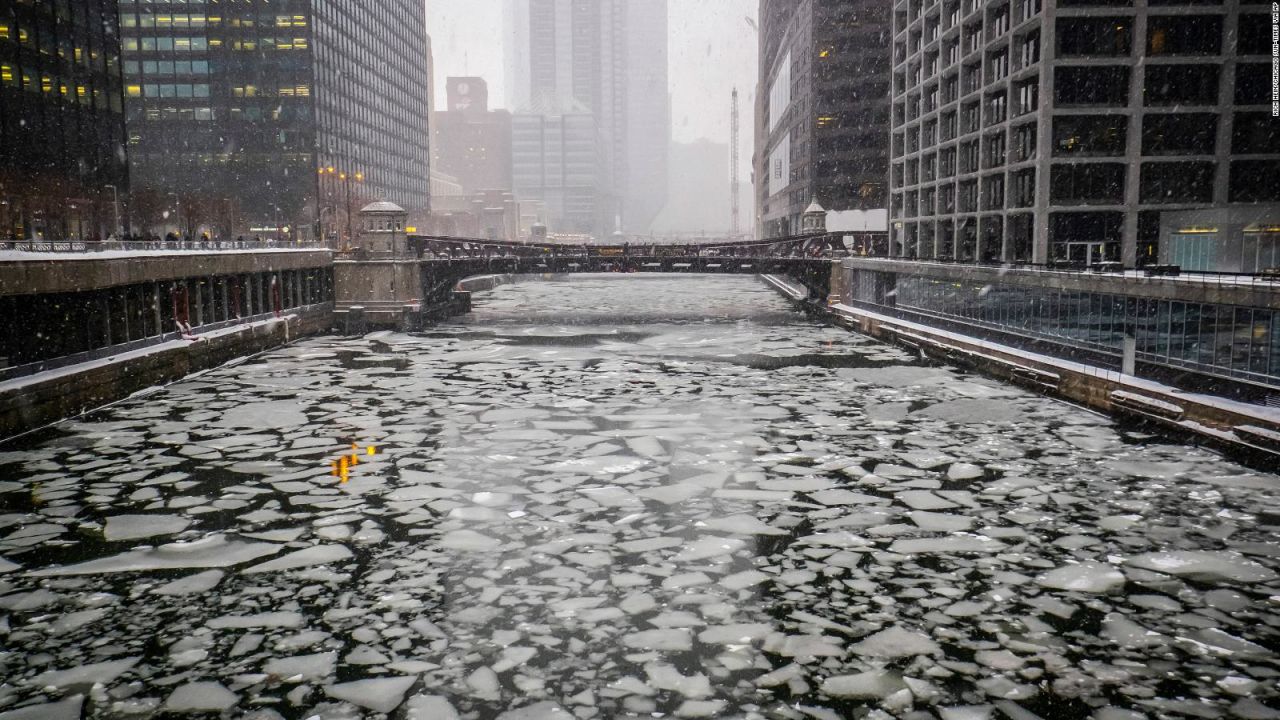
point(822, 116)
point(62, 151)
point(236, 112)
point(470, 142)
point(1043, 130)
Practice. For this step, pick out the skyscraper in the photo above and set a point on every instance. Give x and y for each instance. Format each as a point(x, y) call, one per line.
point(606, 59)
point(1086, 131)
point(822, 122)
point(275, 118)
point(62, 154)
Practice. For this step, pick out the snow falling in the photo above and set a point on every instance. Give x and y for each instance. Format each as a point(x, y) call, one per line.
point(672, 499)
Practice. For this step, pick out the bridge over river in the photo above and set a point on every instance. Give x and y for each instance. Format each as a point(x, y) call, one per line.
point(627, 496)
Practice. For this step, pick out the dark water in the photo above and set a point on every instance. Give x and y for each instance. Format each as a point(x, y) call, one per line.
point(627, 497)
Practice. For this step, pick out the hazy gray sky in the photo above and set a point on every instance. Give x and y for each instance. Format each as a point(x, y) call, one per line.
point(713, 48)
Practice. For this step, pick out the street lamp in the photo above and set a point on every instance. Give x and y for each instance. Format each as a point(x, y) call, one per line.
point(115, 204)
point(178, 217)
point(346, 181)
point(346, 178)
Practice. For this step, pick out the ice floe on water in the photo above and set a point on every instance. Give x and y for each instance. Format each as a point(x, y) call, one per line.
point(627, 498)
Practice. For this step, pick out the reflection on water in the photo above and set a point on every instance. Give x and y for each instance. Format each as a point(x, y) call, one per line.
point(342, 466)
point(627, 497)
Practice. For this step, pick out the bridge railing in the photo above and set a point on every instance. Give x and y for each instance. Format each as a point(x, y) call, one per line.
point(813, 245)
point(127, 246)
point(1269, 277)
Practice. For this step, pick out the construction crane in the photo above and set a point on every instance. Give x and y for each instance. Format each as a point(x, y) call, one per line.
point(734, 189)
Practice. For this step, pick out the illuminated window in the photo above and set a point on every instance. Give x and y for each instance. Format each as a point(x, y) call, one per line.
point(4, 32)
point(6, 75)
point(133, 91)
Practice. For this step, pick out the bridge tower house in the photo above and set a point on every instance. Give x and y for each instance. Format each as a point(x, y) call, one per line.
point(814, 220)
point(378, 284)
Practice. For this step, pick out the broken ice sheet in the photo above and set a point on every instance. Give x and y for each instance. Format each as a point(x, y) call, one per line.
point(85, 675)
point(377, 694)
point(780, 522)
point(135, 527)
point(212, 552)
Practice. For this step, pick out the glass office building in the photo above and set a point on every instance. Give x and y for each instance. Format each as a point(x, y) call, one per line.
point(822, 121)
point(274, 118)
point(62, 156)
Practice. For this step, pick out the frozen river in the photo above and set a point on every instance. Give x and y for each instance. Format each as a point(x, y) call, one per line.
point(627, 497)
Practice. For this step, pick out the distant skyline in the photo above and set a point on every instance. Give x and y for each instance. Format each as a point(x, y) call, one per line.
point(712, 50)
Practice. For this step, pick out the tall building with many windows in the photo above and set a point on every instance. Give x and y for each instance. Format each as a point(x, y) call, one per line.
point(62, 152)
point(1085, 131)
point(275, 118)
point(606, 59)
point(557, 164)
point(822, 121)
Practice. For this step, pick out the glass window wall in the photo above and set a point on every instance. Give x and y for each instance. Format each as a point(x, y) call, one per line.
point(1225, 340)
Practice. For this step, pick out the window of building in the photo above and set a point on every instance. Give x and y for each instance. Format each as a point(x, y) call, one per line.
point(994, 150)
point(1179, 133)
point(970, 117)
point(948, 125)
point(1100, 227)
point(968, 196)
point(1253, 84)
point(1094, 36)
point(1254, 181)
point(1089, 135)
point(969, 156)
point(1087, 183)
point(998, 24)
point(997, 108)
point(1194, 252)
point(946, 199)
point(1254, 36)
point(1261, 249)
point(1254, 133)
point(1029, 49)
point(1028, 9)
point(929, 168)
point(998, 64)
point(1184, 34)
point(947, 162)
point(1024, 188)
point(1024, 142)
point(1181, 85)
point(993, 195)
point(1094, 85)
point(1176, 182)
point(1028, 95)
